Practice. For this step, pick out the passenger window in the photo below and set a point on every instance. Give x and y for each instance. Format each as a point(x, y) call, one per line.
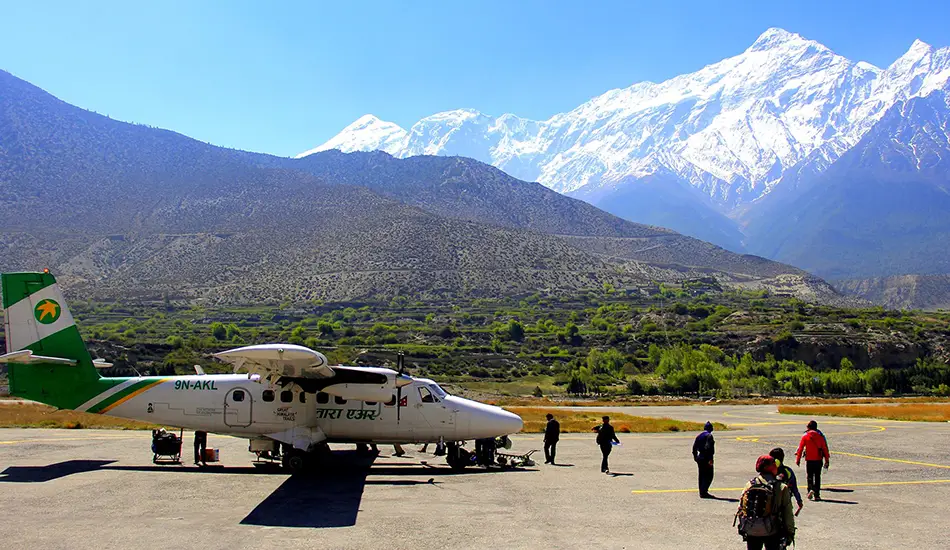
point(268, 395)
point(370, 403)
point(303, 397)
point(339, 400)
point(286, 396)
point(426, 395)
point(237, 396)
point(323, 398)
point(391, 402)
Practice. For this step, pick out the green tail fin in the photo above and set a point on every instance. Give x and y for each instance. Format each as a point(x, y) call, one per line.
point(38, 320)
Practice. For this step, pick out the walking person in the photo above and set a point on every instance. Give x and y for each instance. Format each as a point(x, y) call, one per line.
point(787, 476)
point(765, 514)
point(704, 449)
point(399, 451)
point(201, 443)
point(606, 439)
point(815, 448)
point(552, 433)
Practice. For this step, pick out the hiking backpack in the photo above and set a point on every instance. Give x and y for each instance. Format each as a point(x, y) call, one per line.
point(758, 510)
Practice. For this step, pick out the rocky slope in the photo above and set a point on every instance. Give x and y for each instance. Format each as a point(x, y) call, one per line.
point(122, 209)
point(928, 292)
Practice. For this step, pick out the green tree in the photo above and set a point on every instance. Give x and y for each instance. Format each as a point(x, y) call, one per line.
point(219, 331)
point(515, 330)
point(325, 327)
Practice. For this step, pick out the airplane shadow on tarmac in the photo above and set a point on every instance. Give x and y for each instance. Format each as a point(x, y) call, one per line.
point(41, 474)
point(328, 498)
point(332, 499)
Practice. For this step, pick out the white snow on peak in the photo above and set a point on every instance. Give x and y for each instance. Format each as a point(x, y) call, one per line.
point(367, 133)
point(775, 37)
point(730, 129)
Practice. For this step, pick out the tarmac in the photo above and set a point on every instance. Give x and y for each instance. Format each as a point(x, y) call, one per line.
point(887, 487)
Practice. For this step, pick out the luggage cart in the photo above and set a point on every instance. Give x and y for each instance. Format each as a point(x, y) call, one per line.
point(166, 446)
point(515, 461)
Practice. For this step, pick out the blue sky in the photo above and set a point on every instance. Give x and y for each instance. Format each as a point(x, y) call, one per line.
point(282, 77)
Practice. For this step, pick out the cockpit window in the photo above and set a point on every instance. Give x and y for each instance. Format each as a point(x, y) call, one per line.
point(438, 391)
point(426, 395)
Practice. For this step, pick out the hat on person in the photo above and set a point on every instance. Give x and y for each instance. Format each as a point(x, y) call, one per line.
point(708, 427)
point(778, 454)
point(766, 463)
point(812, 425)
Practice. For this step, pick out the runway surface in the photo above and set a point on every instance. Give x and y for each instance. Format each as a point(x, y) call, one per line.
point(888, 487)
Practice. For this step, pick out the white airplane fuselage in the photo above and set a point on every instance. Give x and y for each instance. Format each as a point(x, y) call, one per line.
point(250, 407)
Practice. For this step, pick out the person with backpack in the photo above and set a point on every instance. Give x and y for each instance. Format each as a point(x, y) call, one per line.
point(606, 437)
point(704, 448)
point(815, 448)
point(552, 433)
point(765, 518)
point(787, 476)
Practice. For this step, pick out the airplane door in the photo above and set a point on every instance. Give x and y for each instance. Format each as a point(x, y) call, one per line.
point(429, 412)
point(237, 408)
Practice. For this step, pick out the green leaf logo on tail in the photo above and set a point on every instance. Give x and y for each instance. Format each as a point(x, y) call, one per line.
point(47, 311)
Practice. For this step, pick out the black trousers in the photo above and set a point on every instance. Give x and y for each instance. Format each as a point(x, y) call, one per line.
point(769, 543)
point(705, 476)
point(605, 449)
point(813, 468)
point(199, 451)
point(550, 449)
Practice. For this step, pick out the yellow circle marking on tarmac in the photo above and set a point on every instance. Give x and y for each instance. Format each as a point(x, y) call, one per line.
point(865, 484)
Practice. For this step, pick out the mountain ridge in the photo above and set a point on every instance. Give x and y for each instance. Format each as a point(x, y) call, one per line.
point(125, 210)
point(755, 110)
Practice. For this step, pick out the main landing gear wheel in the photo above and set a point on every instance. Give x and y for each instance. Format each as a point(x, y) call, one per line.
point(457, 457)
point(295, 461)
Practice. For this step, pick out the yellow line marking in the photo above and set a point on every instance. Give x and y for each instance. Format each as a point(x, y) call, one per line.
point(826, 488)
point(131, 395)
point(915, 463)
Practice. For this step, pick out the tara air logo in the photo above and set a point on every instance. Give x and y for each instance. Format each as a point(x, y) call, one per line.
point(47, 311)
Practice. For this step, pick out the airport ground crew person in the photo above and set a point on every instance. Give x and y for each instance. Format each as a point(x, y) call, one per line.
point(787, 475)
point(605, 439)
point(201, 443)
point(815, 448)
point(772, 526)
point(704, 449)
point(552, 433)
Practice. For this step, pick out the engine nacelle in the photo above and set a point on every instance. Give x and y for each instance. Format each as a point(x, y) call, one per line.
point(365, 383)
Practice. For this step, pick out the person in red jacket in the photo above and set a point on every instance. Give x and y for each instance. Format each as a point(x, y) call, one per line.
point(815, 448)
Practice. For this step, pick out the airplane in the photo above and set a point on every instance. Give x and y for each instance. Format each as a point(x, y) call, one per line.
point(284, 398)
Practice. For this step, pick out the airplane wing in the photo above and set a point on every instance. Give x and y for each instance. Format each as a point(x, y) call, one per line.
point(275, 361)
point(308, 369)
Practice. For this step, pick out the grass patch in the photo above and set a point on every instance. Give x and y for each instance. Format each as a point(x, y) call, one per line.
point(521, 386)
point(573, 421)
point(665, 401)
point(34, 415)
point(925, 412)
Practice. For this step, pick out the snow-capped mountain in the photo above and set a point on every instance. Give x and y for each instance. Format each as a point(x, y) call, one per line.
point(730, 130)
point(368, 133)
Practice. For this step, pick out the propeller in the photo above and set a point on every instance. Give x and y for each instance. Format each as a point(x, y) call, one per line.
point(400, 366)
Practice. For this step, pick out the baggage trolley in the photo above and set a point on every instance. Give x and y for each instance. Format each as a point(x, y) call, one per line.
point(166, 446)
point(515, 461)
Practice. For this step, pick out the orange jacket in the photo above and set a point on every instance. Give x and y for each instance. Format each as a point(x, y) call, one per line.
point(814, 445)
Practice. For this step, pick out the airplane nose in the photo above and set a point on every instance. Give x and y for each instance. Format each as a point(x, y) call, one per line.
point(508, 422)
